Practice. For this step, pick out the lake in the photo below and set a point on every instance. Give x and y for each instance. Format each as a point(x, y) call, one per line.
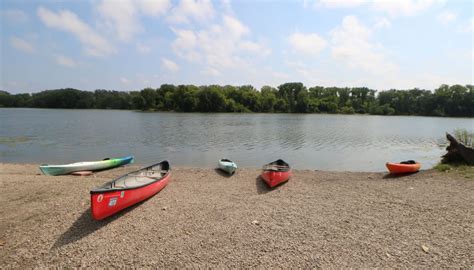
point(306, 141)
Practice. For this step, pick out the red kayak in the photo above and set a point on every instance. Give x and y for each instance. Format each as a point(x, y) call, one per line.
point(129, 189)
point(409, 166)
point(276, 172)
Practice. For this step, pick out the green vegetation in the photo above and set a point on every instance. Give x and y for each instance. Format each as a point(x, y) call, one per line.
point(443, 167)
point(455, 100)
point(11, 141)
point(465, 137)
point(455, 164)
point(462, 169)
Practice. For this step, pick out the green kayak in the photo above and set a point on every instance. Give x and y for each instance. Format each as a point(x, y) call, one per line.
point(85, 166)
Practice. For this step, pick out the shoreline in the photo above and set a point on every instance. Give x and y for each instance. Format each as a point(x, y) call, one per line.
point(265, 113)
point(205, 219)
point(138, 165)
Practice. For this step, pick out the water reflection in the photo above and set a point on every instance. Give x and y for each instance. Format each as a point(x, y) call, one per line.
point(325, 142)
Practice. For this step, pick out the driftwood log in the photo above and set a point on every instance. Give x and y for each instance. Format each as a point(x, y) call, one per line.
point(458, 152)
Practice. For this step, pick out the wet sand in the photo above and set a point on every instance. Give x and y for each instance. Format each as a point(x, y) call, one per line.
point(205, 219)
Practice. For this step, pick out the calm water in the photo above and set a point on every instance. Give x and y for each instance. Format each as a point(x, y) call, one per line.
point(322, 142)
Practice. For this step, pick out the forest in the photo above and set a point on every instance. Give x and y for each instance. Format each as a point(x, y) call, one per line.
point(454, 100)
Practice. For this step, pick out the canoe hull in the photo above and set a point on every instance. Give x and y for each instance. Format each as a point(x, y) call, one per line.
point(274, 178)
point(105, 203)
point(85, 166)
point(276, 173)
point(228, 167)
point(398, 168)
point(108, 203)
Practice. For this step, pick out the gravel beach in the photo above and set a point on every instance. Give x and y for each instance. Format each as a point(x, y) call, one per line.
point(206, 219)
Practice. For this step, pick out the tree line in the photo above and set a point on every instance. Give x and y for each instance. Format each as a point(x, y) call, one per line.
point(454, 100)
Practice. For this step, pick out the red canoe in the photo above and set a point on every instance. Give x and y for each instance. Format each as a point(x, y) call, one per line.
point(403, 167)
point(276, 172)
point(129, 189)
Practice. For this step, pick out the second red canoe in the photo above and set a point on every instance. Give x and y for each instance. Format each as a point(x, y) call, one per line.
point(276, 172)
point(129, 189)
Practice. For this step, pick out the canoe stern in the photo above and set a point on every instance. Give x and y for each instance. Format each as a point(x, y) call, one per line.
point(275, 178)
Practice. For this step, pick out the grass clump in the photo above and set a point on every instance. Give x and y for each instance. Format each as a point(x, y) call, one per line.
point(443, 167)
point(465, 137)
point(465, 170)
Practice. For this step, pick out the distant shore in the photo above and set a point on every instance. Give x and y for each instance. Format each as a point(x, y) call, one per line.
point(292, 97)
point(206, 219)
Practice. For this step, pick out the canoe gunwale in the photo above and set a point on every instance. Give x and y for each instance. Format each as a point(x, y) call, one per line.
point(110, 183)
point(226, 160)
point(277, 166)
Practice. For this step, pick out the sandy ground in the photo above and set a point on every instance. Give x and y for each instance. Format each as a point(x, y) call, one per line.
point(205, 219)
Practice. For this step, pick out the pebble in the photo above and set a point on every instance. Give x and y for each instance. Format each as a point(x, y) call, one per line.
point(327, 224)
point(425, 248)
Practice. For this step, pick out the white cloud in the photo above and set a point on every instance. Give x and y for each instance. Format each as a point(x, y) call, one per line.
point(255, 47)
point(169, 65)
point(154, 7)
point(227, 6)
point(187, 10)
point(307, 44)
point(381, 23)
point(94, 44)
point(185, 44)
point(185, 39)
point(142, 48)
point(391, 7)
point(22, 45)
point(351, 45)
point(211, 71)
point(219, 46)
point(234, 26)
point(341, 3)
point(15, 15)
point(404, 7)
point(447, 17)
point(467, 27)
point(65, 61)
point(124, 80)
point(123, 16)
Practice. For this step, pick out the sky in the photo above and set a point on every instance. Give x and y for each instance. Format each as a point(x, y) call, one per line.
point(129, 45)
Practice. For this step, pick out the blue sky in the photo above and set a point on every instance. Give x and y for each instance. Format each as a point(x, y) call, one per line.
point(130, 45)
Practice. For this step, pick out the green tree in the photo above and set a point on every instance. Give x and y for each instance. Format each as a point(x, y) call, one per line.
point(289, 92)
point(268, 97)
point(211, 99)
point(149, 99)
point(185, 98)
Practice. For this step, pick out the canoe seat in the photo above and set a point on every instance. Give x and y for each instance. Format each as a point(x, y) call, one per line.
point(139, 178)
point(120, 184)
point(276, 168)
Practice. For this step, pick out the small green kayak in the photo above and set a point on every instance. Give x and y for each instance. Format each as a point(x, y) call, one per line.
point(85, 166)
point(227, 166)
